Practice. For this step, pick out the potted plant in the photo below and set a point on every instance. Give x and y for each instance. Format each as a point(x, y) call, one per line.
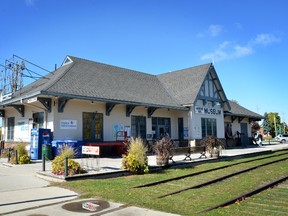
point(162, 149)
point(213, 145)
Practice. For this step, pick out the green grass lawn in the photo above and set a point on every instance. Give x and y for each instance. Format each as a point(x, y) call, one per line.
point(195, 200)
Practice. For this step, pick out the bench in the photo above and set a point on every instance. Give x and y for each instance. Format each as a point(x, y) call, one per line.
point(187, 151)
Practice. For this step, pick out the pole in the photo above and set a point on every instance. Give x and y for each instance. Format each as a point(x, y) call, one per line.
point(275, 126)
point(66, 167)
point(43, 163)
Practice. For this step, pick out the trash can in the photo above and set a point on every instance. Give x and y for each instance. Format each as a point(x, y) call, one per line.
point(47, 150)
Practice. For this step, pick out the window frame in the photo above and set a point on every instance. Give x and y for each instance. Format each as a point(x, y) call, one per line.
point(209, 127)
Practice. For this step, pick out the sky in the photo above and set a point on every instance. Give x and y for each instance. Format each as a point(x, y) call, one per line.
point(246, 40)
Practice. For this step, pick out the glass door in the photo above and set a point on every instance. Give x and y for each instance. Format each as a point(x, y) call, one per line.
point(138, 126)
point(92, 127)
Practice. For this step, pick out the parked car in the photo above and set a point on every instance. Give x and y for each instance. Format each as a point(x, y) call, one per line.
point(282, 138)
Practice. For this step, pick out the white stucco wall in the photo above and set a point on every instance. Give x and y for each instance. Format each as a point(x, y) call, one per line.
point(23, 125)
point(74, 111)
point(195, 128)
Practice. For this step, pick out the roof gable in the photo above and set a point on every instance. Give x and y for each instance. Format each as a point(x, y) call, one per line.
point(184, 84)
point(211, 89)
point(195, 83)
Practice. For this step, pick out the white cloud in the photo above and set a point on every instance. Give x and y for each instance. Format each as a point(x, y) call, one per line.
point(265, 39)
point(231, 50)
point(240, 51)
point(212, 31)
point(228, 50)
point(215, 30)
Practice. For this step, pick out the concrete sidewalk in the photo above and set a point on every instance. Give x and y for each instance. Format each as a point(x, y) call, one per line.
point(22, 193)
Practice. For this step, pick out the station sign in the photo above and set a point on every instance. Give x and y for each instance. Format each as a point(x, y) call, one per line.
point(207, 111)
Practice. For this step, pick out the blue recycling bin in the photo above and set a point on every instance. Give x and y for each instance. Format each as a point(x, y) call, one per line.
point(57, 145)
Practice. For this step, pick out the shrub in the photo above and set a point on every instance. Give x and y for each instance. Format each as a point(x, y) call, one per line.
point(163, 147)
point(21, 149)
point(67, 151)
point(58, 164)
point(24, 159)
point(22, 155)
point(4, 153)
point(136, 159)
point(212, 144)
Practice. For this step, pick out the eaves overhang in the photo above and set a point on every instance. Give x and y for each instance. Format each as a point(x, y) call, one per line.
point(255, 118)
point(108, 100)
point(19, 98)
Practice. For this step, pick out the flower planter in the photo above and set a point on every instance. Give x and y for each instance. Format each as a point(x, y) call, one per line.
point(215, 155)
point(162, 161)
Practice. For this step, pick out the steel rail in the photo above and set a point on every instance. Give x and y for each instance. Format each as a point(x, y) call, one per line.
point(204, 171)
point(222, 178)
point(248, 194)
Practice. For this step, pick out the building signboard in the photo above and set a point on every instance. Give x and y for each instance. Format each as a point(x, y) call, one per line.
point(207, 111)
point(68, 124)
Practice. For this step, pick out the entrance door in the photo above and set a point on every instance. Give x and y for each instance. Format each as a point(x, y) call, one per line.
point(161, 126)
point(93, 127)
point(180, 129)
point(138, 126)
point(244, 134)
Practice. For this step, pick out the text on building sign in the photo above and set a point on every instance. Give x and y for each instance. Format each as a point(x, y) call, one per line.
point(208, 111)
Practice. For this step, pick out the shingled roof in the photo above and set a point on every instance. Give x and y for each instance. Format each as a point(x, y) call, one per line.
point(185, 84)
point(110, 83)
point(83, 79)
point(239, 111)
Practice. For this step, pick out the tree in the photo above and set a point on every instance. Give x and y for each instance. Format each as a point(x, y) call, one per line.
point(274, 118)
point(255, 126)
point(266, 124)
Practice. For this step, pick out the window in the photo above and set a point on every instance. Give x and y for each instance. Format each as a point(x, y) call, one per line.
point(10, 128)
point(38, 120)
point(138, 126)
point(209, 127)
point(161, 126)
point(93, 126)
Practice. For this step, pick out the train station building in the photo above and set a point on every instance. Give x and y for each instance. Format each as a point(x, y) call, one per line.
point(94, 102)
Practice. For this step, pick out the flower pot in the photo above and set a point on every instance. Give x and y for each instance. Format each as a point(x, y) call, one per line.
point(215, 154)
point(162, 161)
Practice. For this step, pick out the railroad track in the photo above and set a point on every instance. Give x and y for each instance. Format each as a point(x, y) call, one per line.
point(222, 178)
point(205, 171)
point(219, 179)
point(248, 194)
